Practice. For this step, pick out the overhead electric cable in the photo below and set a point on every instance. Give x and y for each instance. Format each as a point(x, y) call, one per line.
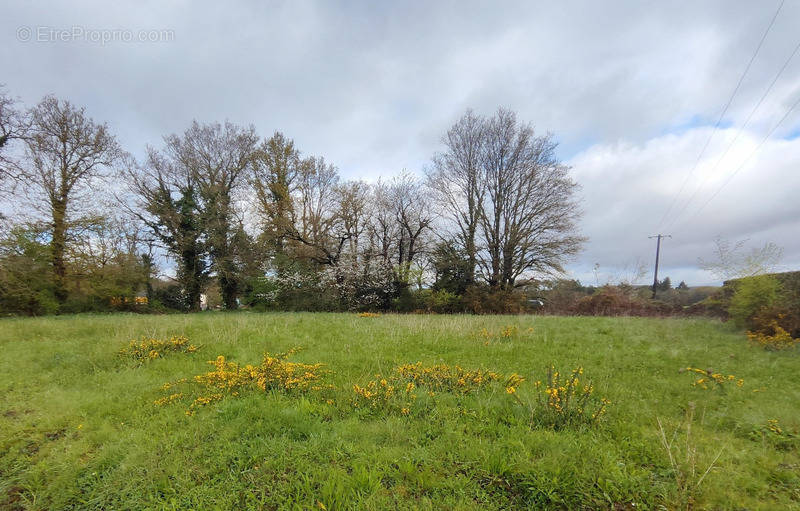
point(769, 134)
point(724, 111)
point(738, 134)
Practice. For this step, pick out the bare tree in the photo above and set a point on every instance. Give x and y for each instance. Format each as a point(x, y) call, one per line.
point(326, 217)
point(413, 214)
point(305, 213)
point(455, 179)
point(315, 225)
point(352, 203)
point(732, 262)
point(13, 128)
point(382, 228)
point(529, 211)
point(66, 151)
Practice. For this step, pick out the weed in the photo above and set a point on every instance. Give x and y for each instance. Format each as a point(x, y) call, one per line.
point(683, 460)
point(775, 435)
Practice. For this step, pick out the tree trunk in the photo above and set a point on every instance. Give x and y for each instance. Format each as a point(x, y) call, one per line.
point(58, 247)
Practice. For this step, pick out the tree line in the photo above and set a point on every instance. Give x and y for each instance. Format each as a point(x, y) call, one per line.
point(218, 211)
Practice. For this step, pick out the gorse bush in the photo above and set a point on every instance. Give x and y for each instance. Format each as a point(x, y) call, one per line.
point(445, 378)
point(229, 379)
point(149, 348)
point(398, 391)
point(564, 400)
point(619, 301)
point(773, 337)
point(384, 395)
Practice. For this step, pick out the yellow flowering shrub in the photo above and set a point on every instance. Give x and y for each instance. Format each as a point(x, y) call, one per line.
point(149, 348)
point(441, 377)
point(773, 338)
point(230, 378)
point(567, 399)
point(398, 390)
point(714, 379)
point(383, 394)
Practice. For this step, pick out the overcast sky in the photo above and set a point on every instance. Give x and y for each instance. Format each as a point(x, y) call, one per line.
point(631, 90)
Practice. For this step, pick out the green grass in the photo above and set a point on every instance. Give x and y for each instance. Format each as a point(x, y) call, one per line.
point(79, 430)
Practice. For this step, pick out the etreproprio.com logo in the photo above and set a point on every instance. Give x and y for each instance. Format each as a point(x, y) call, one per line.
point(76, 33)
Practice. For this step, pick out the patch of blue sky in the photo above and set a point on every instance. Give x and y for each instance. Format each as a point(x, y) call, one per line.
point(695, 121)
point(793, 133)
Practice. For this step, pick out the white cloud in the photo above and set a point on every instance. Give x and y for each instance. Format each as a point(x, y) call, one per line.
point(629, 187)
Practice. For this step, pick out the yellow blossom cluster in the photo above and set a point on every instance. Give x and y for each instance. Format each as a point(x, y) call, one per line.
point(778, 340)
point(564, 399)
point(398, 390)
point(380, 393)
point(274, 372)
point(513, 382)
point(772, 425)
point(149, 348)
point(368, 314)
point(168, 399)
point(230, 378)
point(709, 376)
point(441, 377)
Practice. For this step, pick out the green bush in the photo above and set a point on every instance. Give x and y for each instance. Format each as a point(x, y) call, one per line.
point(26, 273)
point(751, 296)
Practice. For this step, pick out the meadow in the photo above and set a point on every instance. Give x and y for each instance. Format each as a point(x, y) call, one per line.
point(83, 426)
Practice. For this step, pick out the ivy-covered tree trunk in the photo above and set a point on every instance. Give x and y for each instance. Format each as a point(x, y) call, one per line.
point(58, 248)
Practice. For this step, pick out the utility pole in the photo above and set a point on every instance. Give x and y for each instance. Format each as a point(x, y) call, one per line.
point(658, 251)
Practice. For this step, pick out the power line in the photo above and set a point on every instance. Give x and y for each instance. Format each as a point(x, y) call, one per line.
point(769, 134)
point(722, 115)
point(738, 134)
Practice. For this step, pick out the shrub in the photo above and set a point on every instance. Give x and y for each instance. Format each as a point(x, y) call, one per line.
point(614, 301)
point(397, 392)
point(751, 296)
point(441, 301)
point(567, 400)
point(26, 273)
point(229, 378)
point(485, 300)
point(773, 337)
point(149, 348)
point(441, 377)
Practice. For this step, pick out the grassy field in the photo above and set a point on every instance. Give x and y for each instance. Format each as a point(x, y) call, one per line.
point(79, 428)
